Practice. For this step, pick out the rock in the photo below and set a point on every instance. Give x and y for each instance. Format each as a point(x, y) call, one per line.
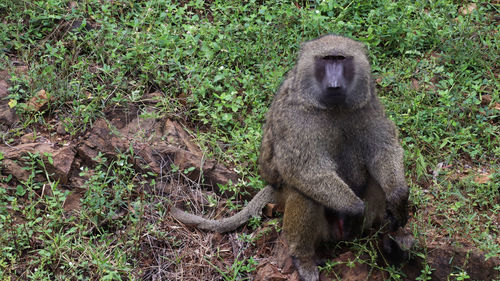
point(156, 157)
point(37, 102)
point(28, 138)
point(176, 135)
point(62, 163)
point(7, 115)
point(61, 130)
point(16, 170)
point(60, 166)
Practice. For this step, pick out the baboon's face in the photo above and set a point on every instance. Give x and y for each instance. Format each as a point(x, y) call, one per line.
point(334, 73)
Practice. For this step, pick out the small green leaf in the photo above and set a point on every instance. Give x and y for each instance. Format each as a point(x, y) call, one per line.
point(20, 191)
point(174, 167)
point(49, 158)
point(218, 77)
point(188, 170)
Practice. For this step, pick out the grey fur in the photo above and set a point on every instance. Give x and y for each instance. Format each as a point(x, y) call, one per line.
point(253, 208)
point(320, 156)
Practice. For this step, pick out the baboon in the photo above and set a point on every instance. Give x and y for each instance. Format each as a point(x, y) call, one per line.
point(329, 153)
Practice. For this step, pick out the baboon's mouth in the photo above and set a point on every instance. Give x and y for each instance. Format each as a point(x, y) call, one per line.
point(333, 97)
point(334, 92)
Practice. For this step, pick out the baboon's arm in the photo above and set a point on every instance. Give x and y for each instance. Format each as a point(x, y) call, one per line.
point(314, 175)
point(386, 167)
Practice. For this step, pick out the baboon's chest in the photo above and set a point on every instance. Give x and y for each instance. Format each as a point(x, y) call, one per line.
point(349, 160)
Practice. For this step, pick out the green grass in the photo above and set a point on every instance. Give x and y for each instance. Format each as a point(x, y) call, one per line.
point(217, 65)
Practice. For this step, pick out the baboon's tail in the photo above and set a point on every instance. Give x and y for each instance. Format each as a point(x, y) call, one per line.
point(254, 208)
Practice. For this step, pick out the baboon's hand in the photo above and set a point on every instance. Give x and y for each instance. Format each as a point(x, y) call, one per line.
point(358, 208)
point(397, 208)
point(347, 202)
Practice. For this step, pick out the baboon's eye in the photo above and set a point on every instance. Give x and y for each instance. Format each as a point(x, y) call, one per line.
point(334, 58)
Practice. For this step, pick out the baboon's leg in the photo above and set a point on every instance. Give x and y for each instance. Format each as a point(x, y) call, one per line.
point(304, 226)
